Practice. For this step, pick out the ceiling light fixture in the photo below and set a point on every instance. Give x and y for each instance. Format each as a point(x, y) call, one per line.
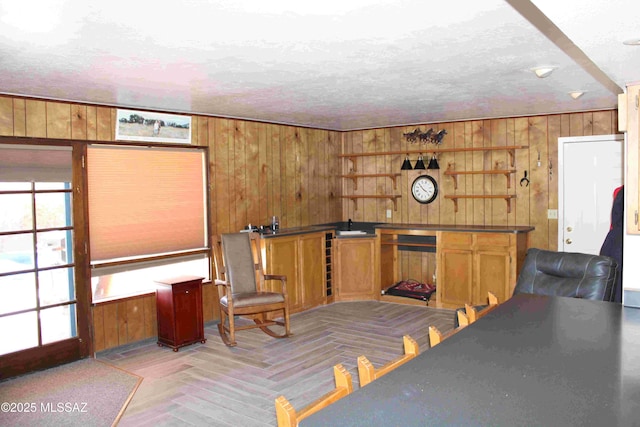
point(543, 72)
point(576, 94)
point(632, 42)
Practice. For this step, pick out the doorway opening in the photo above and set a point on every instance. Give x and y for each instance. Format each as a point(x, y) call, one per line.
point(590, 169)
point(39, 302)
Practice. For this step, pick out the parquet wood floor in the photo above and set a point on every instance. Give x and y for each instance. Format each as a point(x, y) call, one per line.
point(214, 385)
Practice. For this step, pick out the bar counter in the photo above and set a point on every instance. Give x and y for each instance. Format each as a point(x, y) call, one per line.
point(370, 228)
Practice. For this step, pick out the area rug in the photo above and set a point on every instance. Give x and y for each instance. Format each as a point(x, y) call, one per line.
point(83, 393)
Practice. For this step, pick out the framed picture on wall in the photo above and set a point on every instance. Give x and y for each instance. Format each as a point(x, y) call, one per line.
point(148, 126)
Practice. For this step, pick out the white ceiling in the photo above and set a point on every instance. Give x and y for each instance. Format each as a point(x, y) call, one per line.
point(335, 64)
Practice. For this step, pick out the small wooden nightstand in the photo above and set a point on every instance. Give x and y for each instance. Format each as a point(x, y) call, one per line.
point(179, 306)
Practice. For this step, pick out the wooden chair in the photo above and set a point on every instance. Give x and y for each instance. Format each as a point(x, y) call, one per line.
point(287, 415)
point(241, 287)
point(367, 373)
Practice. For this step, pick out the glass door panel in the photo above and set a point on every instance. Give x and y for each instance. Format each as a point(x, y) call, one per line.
point(16, 253)
point(52, 248)
point(17, 293)
point(56, 286)
point(58, 323)
point(15, 209)
point(19, 331)
point(51, 209)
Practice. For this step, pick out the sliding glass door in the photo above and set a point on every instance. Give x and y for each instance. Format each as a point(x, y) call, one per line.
point(38, 295)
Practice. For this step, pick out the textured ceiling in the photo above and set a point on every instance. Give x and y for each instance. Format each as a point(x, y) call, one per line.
point(338, 65)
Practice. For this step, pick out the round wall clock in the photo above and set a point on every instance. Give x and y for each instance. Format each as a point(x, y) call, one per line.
point(424, 189)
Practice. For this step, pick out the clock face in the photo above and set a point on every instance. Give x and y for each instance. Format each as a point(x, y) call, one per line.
point(424, 189)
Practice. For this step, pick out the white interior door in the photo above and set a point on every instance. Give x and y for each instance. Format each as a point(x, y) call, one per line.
point(590, 169)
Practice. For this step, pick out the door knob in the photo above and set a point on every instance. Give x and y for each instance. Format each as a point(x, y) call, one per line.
point(568, 241)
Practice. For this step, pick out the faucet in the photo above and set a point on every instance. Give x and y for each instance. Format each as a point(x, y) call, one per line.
point(349, 224)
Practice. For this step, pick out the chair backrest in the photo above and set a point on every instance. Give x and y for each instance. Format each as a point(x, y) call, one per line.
point(239, 264)
point(567, 274)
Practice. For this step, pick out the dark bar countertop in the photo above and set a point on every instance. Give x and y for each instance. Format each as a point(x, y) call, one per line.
point(369, 228)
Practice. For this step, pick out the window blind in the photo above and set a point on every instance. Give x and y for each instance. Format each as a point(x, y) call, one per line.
point(40, 163)
point(145, 201)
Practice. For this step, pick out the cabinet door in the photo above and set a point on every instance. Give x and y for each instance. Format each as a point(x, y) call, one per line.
point(455, 269)
point(355, 269)
point(283, 258)
point(491, 275)
point(455, 274)
point(312, 268)
point(188, 323)
point(492, 269)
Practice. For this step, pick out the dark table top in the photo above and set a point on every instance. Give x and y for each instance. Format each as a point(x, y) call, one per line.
point(533, 361)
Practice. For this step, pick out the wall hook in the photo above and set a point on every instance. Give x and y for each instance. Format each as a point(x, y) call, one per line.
point(524, 180)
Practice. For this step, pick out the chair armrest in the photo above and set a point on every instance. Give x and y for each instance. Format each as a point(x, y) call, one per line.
point(283, 281)
point(219, 282)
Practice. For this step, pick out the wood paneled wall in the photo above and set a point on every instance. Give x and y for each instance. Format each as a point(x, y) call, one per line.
point(258, 170)
point(124, 321)
point(539, 133)
point(121, 322)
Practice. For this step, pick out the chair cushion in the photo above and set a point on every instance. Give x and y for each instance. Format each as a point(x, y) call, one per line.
point(253, 298)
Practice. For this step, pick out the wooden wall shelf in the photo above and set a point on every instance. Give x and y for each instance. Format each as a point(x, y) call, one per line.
point(510, 149)
point(393, 198)
point(355, 177)
point(454, 174)
point(506, 197)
